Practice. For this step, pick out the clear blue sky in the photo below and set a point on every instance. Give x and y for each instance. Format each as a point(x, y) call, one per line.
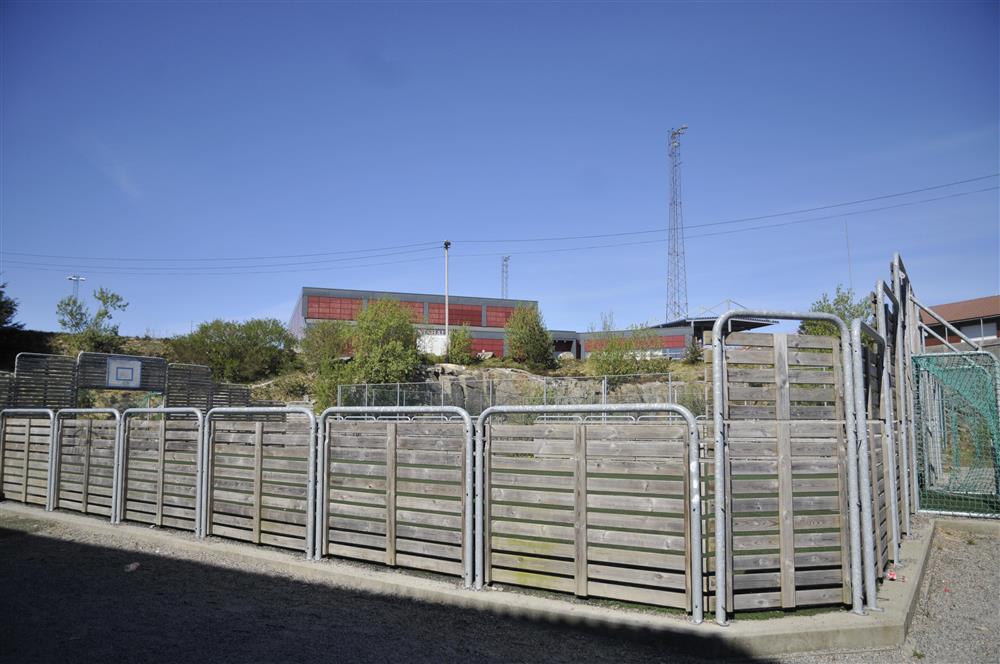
point(199, 130)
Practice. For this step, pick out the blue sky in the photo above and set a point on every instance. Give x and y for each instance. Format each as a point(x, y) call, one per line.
point(138, 135)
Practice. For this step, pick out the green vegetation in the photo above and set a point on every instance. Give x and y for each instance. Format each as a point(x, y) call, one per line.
point(91, 332)
point(385, 344)
point(616, 354)
point(326, 343)
point(8, 309)
point(843, 305)
point(239, 352)
point(613, 354)
point(527, 339)
point(693, 353)
point(460, 346)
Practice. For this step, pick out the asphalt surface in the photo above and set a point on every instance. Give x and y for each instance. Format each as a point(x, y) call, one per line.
point(68, 596)
point(65, 600)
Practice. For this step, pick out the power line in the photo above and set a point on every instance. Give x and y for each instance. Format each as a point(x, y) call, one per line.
point(123, 270)
point(32, 267)
point(157, 270)
point(741, 220)
point(223, 258)
point(735, 230)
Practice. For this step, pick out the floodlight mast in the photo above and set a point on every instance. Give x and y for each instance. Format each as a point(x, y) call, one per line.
point(677, 300)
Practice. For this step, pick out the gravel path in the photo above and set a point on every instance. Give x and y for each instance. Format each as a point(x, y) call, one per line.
point(70, 596)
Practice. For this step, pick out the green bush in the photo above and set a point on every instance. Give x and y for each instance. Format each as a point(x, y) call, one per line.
point(326, 343)
point(239, 352)
point(527, 339)
point(693, 353)
point(460, 346)
point(326, 381)
point(385, 344)
point(843, 305)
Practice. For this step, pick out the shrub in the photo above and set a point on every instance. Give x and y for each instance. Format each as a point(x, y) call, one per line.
point(460, 346)
point(527, 339)
point(693, 353)
point(385, 349)
point(326, 343)
point(239, 352)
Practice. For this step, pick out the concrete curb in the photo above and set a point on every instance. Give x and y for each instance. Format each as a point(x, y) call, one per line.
point(833, 631)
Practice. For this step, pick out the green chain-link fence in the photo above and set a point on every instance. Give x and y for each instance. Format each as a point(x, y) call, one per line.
point(957, 429)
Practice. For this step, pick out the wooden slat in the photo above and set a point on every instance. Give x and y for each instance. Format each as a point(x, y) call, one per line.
point(258, 480)
point(390, 512)
point(785, 513)
point(580, 509)
point(161, 470)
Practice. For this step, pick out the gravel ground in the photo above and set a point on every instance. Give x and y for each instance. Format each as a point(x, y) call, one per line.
point(958, 618)
point(71, 596)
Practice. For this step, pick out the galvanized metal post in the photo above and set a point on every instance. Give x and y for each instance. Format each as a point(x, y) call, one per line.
point(901, 390)
point(888, 413)
point(864, 458)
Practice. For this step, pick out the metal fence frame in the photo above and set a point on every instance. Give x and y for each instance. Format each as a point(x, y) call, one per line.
point(118, 509)
point(310, 548)
point(859, 327)
point(718, 360)
point(48, 412)
point(694, 477)
point(472, 501)
point(55, 450)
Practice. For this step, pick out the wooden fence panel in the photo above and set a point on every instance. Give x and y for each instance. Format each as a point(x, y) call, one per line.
point(258, 480)
point(25, 459)
point(85, 469)
point(786, 478)
point(396, 493)
point(160, 472)
point(591, 509)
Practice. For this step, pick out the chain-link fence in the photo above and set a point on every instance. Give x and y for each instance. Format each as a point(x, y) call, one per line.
point(957, 431)
point(477, 394)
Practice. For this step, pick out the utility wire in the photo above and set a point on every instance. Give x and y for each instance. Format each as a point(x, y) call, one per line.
point(125, 270)
point(662, 229)
point(222, 258)
point(735, 230)
point(31, 267)
point(139, 269)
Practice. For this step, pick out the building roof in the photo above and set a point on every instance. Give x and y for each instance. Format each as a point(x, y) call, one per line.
point(953, 312)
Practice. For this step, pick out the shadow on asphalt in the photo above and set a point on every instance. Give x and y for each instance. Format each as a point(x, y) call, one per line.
point(70, 602)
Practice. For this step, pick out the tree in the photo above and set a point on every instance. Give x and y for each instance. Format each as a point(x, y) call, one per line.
point(240, 352)
point(326, 343)
point(460, 346)
point(8, 309)
point(693, 353)
point(91, 332)
point(843, 305)
point(527, 339)
point(385, 344)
